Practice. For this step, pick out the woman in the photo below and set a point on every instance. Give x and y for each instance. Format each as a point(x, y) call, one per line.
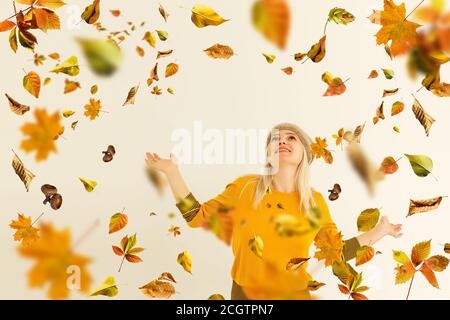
point(252, 206)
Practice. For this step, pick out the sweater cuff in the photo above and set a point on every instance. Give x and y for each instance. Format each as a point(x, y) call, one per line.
point(188, 206)
point(350, 248)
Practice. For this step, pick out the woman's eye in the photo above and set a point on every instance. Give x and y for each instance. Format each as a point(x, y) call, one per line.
point(292, 137)
point(274, 138)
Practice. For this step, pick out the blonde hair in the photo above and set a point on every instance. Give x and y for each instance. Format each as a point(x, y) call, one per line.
point(301, 176)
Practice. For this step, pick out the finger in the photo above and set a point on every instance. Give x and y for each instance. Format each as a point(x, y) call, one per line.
point(398, 235)
point(157, 156)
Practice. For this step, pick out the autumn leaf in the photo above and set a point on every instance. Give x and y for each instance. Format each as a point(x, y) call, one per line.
point(421, 164)
point(131, 95)
point(54, 255)
point(424, 118)
point(389, 92)
point(219, 51)
point(296, 263)
point(447, 248)
point(6, 25)
point(39, 59)
point(117, 222)
point(397, 107)
point(104, 56)
point(353, 287)
point(329, 244)
point(368, 219)
point(287, 225)
point(52, 4)
point(46, 19)
point(216, 296)
point(107, 288)
point(158, 289)
point(17, 107)
point(256, 245)
point(156, 91)
point(425, 205)
point(203, 16)
point(94, 89)
point(24, 174)
point(339, 136)
point(128, 250)
point(314, 285)
point(163, 54)
point(32, 83)
point(163, 12)
point(150, 38)
point(25, 232)
point(70, 86)
point(270, 58)
point(13, 39)
point(388, 73)
point(115, 13)
point(174, 230)
point(340, 16)
point(162, 35)
point(185, 260)
point(379, 113)
point(167, 276)
point(389, 165)
point(140, 51)
point(272, 19)
point(69, 67)
point(287, 70)
point(171, 69)
point(92, 109)
point(89, 185)
point(68, 113)
point(364, 254)
point(395, 28)
point(373, 74)
point(92, 12)
point(318, 50)
point(319, 150)
point(335, 85)
point(41, 135)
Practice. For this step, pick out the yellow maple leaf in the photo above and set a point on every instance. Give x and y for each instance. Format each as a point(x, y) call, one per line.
point(56, 262)
point(396, 28)
point(319, 149)
point(92, 109)
point(25, 231)
point(330, 245)
point(42, 133)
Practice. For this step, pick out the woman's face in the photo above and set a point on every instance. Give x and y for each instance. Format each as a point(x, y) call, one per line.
point(285, 148)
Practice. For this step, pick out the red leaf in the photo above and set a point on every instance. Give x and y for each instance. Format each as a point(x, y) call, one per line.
point(117, 251)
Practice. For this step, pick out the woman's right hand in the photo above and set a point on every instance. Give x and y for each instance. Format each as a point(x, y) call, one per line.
point(164, 165)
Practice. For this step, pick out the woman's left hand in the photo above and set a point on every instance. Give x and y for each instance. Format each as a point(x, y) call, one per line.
point(388, 228)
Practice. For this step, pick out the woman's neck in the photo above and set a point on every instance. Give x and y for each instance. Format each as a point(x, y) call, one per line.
point(284, 179)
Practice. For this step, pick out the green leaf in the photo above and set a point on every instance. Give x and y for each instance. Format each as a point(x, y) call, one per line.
point(421, 164)
point(107, 288)
point(13, 39)
point(368, 219)
point(340, 16)
point(163, 35)
point(342, 270)
point(388, 73)
point(131, 243)
point(27, 40)
point(104, 56)
point(400, 256)
point(69, 67)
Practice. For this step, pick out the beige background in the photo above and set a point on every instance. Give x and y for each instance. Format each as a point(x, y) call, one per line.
point(244, 92)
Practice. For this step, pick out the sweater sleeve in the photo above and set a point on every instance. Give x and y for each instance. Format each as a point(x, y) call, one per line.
point(215, 214)
point(351, 245)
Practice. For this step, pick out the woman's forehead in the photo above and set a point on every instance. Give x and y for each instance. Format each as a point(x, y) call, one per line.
point(284, 131)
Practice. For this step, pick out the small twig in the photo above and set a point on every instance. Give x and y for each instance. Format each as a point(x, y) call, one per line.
point(30, 7)
point(86, 233)
point(410, 285)
point(419, 89)
point(35, 220)
point(413, 10)
point(325, 28)
point(120, 267)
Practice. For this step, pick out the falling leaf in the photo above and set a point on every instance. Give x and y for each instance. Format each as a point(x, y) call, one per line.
point(364, 254)
point(89, 185)
point(314, 285)
point(140, 51)
point(396, 28)
point(379, 113)
point(216, 296)
point(287, 225)
point(396, 129)
point(174, 230)
point(319, 150)
point(74, 124)
point(54, 56)
point(388, 73)
point(287, 70)
point(107, 288)
point(71, 86)
point(68, 113)
point(52, 4)
point(318, 50)
point(329, 244)
point(69, 67)
point(389, 92)
point(92, 109)
point(156, 90)
point(104, 56)
point(447, 248)
point(185, 260)
point(373, 74)
point(397, 107)
point(47, 81)
point(272, 19)
point(269, 57)
point(158, 289)
point(163, 12)
point(128, 250)
point(421, 164)
point(45, 19)
point(170, 90)
point(54, 254)
point(32, 83)
point(335, 85)
point(117, 222)
point(256, 244)
point(340, 16)
point(296, 263)
point(154, 73)
point(24, 174)
point(389, 165)
point(94, 89)
point(424, 118)
point(171, 69)
point(150, 38)
point(203, 16)
point(41, 134)
point(167, 276)
point(219, 51)
point(339, 136)
point(115, 13)
point(299, 56)
point(92, 12)
point(13, 39)
point(131, 96)
point(425, 205)
point(17, 107)
point(368, 219)
point(25, 232)
point(6, 25)
point(163, 54)
point(39, 59)
point(163, 35)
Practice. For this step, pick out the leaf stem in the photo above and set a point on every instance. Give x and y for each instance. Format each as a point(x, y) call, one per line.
point(413, 10)
point(14, 15)
point(120, 267)
point(325, 28)
point(410, 285)
point(35, 220)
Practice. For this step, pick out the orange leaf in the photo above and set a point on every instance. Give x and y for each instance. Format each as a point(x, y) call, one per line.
point(171, 69)
point(330, 245)
point(42, 133)
point(335, 85)
point(396, 28)
point(397, 107)
point(429, 275)
point(319, 150)
point(117, 222)
point(6, 25)
point(32, 83)
point(92, 109)
point(420, 252)
point(343, 289)
point(132, 258)
point(25, 231)
point(46, 19)
point(389, 165)
point(117, 251)
point(364, 254)
point(358, 296)
point(70, 86)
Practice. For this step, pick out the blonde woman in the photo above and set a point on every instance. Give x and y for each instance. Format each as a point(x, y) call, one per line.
point(250, 204)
